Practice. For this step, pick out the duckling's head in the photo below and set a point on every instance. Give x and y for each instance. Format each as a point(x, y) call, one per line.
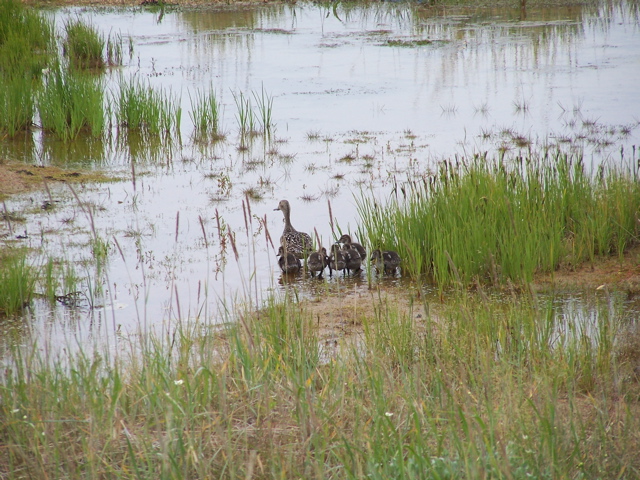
point(345, 239)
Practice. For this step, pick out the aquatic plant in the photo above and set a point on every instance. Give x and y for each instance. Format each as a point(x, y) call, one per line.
point(245, 115)
point(264, 103)
point(150, 111)
point(205, 114)
point(71, 102)
point(83, 44)
point(115, 49)
point(16, 103)
point(26, 40)
point(17, 279)
point(505, 220)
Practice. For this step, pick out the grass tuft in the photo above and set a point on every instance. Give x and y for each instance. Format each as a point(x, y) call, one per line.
point(504, 221)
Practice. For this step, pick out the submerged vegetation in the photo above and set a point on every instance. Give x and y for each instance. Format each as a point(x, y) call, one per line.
point(498, 221)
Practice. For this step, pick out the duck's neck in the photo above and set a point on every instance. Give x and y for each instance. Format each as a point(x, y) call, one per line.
point(287, 222)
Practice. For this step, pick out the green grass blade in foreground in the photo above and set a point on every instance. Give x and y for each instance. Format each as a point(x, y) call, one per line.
point(507, 389)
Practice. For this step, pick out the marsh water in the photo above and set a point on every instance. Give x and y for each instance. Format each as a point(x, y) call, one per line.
point(363, 97)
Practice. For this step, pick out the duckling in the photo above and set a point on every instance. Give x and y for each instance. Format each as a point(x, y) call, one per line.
point(386, 260)
point(317, 261)
point(352, 258)
point(288, 262)
point(336, 259)
point(346, 240)
point(293, 241)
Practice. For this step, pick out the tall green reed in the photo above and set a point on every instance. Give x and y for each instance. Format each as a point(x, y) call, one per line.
point(17, 280)
point(497, 220)
point(16, 103)
point(151, 111)
point(71, 102)
point(26, 40)
point(83, 45)
point(264, 103)
point(245, 115)
point(205, 114)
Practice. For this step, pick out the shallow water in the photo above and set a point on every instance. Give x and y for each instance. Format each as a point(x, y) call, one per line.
point(363, 96)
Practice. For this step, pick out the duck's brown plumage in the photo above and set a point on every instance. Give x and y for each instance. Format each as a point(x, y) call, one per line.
point(346, 240)
point(336, 259)
point(293, 241)
point(288, 262)
point(317, 261)
point(352, 258)
point(386, 260)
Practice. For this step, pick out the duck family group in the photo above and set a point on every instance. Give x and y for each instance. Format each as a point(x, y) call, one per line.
point(345, 255)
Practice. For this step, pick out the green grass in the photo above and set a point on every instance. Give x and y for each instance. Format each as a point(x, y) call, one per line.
point(17, 279)
point(26, 40)
point(205, 114)
point(245, 115)
point(502, 389)
point(140, 107)
point(504, 221)
point(71, 102)
point(17, 104)
point(83, 45)
point(26, 48)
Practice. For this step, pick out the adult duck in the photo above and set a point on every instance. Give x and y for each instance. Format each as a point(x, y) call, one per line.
point(293, 241)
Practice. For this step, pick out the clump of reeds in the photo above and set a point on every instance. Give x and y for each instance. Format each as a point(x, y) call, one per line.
point(143, 108)
point(71, 102)
point(501, 220)
point(16, 104)
point(205, 114)
point(115, 49)
point(17, 279)
point(83, 45)
point(26, 40)
point(26, 48)
point(245, 115)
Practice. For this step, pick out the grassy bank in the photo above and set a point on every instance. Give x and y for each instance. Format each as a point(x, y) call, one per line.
point(478, 390)
point(478, 219)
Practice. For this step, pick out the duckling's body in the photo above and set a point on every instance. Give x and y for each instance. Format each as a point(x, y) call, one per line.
point(317, 261)
point(352, 258)
point(293, 241)
point(347, 241)
point(288, 262)
point(336, 259)
point(386, 260)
